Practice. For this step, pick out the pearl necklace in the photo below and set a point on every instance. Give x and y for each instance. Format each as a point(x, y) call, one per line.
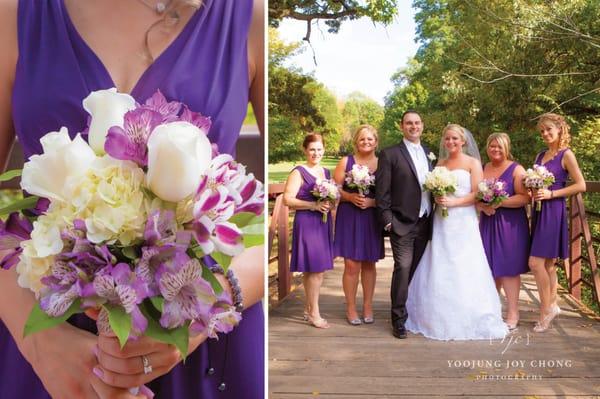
point(158, 8)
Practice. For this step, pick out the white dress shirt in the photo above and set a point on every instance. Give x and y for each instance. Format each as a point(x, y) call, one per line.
point(417, 154)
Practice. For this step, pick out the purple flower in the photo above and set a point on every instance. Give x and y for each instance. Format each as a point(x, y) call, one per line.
point(211, 229)
point(187, 296)
point(118, 285)
point(130, 141)
point(17, 228)
point(221, 318)
point(167, 110)
point(160, 227)
point(196, 119)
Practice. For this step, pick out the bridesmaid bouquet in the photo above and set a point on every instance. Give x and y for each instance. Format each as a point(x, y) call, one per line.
point(325, 190)
point(536, 179)
point(125, 224)
point(440, 181)
point(491, 191)
point(360, 178)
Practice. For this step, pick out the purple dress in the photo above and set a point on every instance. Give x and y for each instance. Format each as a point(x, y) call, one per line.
point(549, 226)
point(312, 240)
point(505, 235)
point(206, 67)
point(358, 235)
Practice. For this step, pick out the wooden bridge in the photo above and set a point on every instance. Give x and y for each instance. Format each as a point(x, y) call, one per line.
point(368, 362)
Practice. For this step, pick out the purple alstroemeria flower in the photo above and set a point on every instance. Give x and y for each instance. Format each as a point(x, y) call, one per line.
point(222, 318)
point(160, 227)
point(169, 110)
point(252, 195)
point(17, 228)
point(212, 210)
point(187, 295)
point(119, 285)
point(202, 122)
point(131, 141)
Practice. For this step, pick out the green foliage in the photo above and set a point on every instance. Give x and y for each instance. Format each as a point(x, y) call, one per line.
point(175, 336)
point(333, 12)
point(496, 66)
point(358, 109)
point(38, 320)
point(587, 147)
point(120, 322)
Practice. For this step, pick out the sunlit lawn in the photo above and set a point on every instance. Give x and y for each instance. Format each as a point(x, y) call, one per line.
point(279, 172)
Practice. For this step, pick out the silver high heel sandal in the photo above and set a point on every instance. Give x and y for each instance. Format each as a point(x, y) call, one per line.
point(546, 323)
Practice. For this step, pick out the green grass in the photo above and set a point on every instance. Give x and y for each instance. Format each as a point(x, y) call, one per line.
point(279, 172)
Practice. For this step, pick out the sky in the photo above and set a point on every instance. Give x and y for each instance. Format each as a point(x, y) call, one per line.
point(361, 57)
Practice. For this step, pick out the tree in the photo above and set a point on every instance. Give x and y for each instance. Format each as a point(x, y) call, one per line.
point(358, 109)
point(333, 12)
point(496, 66)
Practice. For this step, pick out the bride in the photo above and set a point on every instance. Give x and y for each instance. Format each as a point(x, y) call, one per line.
point(452, 294)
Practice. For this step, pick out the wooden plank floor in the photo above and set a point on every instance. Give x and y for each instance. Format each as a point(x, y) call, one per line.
point(368, 362)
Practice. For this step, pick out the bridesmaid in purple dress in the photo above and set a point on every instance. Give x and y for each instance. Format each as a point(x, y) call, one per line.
point(504, 227)
point(311, 238)
point(358, 237)
point(207, 54)
point(549, 230)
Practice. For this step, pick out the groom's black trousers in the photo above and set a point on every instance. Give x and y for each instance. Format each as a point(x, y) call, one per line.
point(407, 251)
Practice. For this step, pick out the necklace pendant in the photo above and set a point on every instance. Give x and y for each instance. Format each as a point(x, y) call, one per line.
point(160, 7)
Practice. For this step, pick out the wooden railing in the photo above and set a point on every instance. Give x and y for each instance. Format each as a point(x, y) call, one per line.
point(581, 246)
point(279, 227)
point(581, 243)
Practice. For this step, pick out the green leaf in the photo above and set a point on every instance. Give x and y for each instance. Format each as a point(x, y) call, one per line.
point(221, 259)
point(25, 203)
point(176, 336)
point(11, 174)
point(120, 322)
point(158, 302)
point(254, 229)
point(129, 253)
point(210, 277)
point(252, 240)
point(38, 320)
point(246, 218)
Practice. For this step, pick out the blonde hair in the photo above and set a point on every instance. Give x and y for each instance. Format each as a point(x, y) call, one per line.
point(564, 137)
point(359, 130)
point(503, 141)
point(457, 128)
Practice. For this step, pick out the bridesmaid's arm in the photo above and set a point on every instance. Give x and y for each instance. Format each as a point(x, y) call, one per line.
point(338, 176)
point(569, 162)
point(292, 186)
point(520, 198)
point(256, 63)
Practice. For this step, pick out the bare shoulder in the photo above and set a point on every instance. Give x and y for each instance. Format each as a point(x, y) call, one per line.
point(474, 163)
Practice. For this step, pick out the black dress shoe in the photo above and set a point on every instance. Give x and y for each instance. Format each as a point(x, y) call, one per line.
point(399, 332)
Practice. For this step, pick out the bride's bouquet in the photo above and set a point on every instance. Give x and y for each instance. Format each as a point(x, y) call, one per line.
point(491, 191)
point(125, 224)
point(538, 178)
point(440, 181)
point(360, 178)
point(325, 190)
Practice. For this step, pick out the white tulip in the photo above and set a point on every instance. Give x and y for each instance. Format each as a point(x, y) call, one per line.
point(107, 109)
point(47, 174)
point(178, 154)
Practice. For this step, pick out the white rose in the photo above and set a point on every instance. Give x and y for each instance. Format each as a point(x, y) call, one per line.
point(45, 237)
point(482, 187)
point(46, 175)
point(107, 109)
point(178, 154)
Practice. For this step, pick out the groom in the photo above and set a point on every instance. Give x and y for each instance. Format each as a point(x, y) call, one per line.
point(404, 209)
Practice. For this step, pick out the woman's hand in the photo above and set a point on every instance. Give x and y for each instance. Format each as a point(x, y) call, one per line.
point(487, 209)
point(63, 358)
point(542, 194)
point(445, 201)
point(358, 200)
point(322, 206)
point(124, 368)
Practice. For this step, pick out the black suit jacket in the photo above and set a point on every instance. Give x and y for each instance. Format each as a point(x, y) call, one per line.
point(397, 190)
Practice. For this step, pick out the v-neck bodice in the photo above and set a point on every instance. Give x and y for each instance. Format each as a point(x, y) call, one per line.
point(57, 69)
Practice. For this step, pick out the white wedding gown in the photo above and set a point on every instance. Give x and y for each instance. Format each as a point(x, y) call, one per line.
point(452, 295)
